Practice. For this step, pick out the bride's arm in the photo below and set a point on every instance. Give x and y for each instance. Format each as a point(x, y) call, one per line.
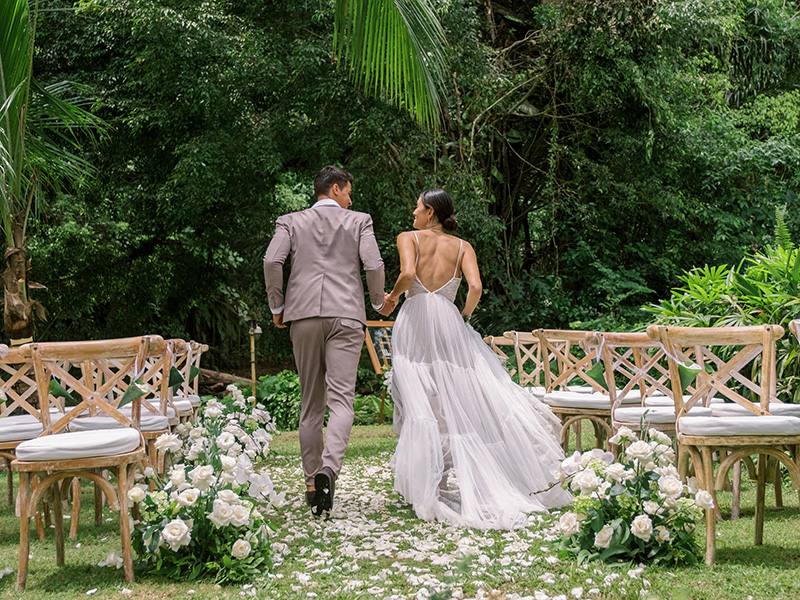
point(408, 254)
point(470, 272)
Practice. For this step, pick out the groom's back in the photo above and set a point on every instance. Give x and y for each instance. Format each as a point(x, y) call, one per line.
point(325, 279)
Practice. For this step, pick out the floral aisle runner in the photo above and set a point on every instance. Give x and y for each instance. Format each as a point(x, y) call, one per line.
point(375, 546)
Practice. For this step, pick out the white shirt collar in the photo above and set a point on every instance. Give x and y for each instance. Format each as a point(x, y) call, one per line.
point(325, 202)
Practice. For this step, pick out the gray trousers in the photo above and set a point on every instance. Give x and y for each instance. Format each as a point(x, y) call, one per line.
point(327, 351)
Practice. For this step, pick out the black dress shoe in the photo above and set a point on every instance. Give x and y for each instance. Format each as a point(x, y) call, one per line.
point(323, 497)
point(310, 497)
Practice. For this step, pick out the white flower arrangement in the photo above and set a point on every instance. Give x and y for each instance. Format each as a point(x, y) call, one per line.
point(203, 518)
point(634, 509)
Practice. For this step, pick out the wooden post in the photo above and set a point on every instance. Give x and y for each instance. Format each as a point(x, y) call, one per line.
point(253, 360)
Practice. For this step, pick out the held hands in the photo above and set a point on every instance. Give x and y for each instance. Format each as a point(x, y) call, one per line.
point(388, 306)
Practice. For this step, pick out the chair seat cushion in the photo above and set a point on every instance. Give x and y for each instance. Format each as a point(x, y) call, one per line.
point(127, 410)
point(182, 405)
point(536, 390)
point(712, 426)
point(82, 444)
point(149, 422)
point(19, 427)
point(778, 409)
point(194, 400)
point(577, 400)
point(656, 415)
point(583, 400)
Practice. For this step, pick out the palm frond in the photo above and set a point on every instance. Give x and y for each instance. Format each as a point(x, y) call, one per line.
point(395, 50)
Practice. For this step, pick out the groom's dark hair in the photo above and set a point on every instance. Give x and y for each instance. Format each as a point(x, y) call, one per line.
point(329, 175)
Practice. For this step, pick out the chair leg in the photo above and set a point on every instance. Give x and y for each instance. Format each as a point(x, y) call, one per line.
point(10, 483)
point(98, 505)
point(124, 522)
point(578, 434)
point(737, 490)
point(76, 508)
point(711, 516)
point(58, 518)
point(24, 529)
point(776, 481)
point(760, 497)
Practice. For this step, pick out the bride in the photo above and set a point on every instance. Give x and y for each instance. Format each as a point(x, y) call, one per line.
point(475, 449)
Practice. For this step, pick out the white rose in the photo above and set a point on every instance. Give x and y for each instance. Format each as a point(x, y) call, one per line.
point(176, 534)
point(222, 514)
point(188, 497)
point(596, 454)
point(168, 442)
point(225, 441)
point(586, 481)
point(662, 534)
point(670, 487)
point(602, 539)
point(642, 527)
point(228, 496)
point(569, 524)
point(136, 494)
point(196, 433)
point(203, 477)
point(704, 500)
point(241, 516)
point(624, 434)
point(241, 549)
point(659, 436)
point(228, 462)
point(212, 412)
point(652, 508)
point(691, 485)
point(616, 472)
point(571, 464)
point(639, 450)
point(177, 475)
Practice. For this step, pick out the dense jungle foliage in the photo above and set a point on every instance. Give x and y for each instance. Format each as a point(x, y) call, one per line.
point(596, 150)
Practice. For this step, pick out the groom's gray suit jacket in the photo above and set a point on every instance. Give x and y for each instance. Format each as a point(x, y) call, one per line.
point(328, 245)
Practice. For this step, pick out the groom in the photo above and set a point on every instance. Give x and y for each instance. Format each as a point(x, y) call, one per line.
point(324, 303)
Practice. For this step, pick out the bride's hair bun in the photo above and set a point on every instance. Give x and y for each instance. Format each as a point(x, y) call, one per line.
point(442, 205)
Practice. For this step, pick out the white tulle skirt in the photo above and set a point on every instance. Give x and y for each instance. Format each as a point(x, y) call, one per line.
point(475, 449)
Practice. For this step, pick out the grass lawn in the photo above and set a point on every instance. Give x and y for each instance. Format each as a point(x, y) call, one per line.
point(374, 546)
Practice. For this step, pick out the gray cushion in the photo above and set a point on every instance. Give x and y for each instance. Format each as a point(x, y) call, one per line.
point(182, 405)
point(194, 400)
point(658, 414)
point(778, 409)
point(83, 444)
point(149, 423)
point(712, 426)
point(127, 410)
point(19, 427)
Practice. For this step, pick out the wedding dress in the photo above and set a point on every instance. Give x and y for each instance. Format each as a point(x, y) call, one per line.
point(474, 448)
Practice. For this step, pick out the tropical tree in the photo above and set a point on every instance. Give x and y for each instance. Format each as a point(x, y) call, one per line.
point(395, 50)
point(41, 132)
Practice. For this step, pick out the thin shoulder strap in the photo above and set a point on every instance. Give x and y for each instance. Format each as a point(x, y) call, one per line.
point(416, 260)
point(458, 259)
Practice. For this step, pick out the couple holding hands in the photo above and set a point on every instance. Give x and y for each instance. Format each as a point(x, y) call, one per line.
point(474, 449)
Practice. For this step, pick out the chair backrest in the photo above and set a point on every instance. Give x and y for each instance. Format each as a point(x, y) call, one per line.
point(728, 361)
point(568, 348)
point(632, 360)
point(18, 384)
point(160, 362)
point(379, 333)
point(108, 368)
point(191, 377)
point(527, 350)
point(497, 344)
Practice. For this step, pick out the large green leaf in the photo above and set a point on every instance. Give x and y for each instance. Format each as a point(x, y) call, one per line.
point(395, 50)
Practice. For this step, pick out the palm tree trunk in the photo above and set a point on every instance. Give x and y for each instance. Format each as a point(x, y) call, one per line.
point(18, 307)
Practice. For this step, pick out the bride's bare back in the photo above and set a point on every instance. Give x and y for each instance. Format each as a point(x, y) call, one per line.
point(439, 258)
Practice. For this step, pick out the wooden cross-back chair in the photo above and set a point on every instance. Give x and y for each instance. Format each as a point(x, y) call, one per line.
point(497, 343)
point(736, 363)
point(380, 333)
point(527, 351)
point(569, 350)
point(58, 455)
point(638, 381)
point(177, 355)
point(190, 388)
